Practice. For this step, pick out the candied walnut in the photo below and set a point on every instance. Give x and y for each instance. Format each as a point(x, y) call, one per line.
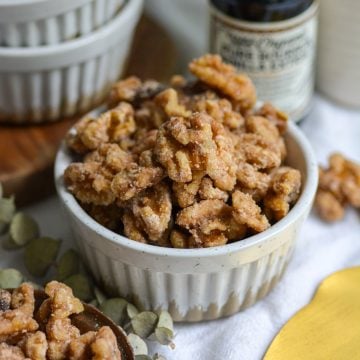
point(258, 151)
point(169, 102)
point(18, 319)
point(274, 115)
point(196, 143)
point(145, 142)
point(35, 346)
point(199, 239)
point(89, 183)
point(79, 349)
point(10, 352)
point(132, 228)
point(111, 156)
point(178, 81)
point(108, 216)
point(179, 240)
point(284, 191)
point(223, 77)
point(110, 127)
point(63, 301)
point(328, 206)
point(247, 212)
point(152, 209)
point(206, 221)
point(149, 116)
point(263, 127)
point(73, 140)
point(207, 191)
point(130, 182)
point(5, 300)
point(221, 110)
point(252, 181)
point(105, 345)
point(60, 333)
point(185, 193)
point(235, 231)
point(124, 90)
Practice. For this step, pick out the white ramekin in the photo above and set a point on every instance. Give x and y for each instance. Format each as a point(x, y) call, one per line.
point(49, 22)
point(193, 284)
point(46, 83)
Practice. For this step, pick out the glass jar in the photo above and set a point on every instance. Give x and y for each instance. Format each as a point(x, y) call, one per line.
point(274, 42)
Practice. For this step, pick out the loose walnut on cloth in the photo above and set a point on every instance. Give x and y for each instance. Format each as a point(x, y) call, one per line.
point(339, 186)
point(48, 334)
point(192, 164)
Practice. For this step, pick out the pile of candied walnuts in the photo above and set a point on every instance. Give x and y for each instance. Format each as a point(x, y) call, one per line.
point(48, 333)
point(190, 165)
point(339, 186)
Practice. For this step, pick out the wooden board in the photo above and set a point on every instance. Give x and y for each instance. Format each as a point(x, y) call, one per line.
point(27, 152)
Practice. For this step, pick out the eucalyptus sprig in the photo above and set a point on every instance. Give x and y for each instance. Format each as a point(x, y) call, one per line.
point(41, 254)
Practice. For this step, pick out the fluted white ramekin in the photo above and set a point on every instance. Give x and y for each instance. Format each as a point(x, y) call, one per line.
point(49, 82)
point(49, 22)
point(193, 284)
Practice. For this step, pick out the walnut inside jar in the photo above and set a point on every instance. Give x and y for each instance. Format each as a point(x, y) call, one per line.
point(196, 165)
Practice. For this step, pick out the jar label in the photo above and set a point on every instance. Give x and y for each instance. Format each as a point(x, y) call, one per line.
point(279, 57)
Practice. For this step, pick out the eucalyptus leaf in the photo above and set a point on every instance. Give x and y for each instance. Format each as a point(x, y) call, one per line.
point(138, 344)
point(131, 311)
point(158, 357)
point(9, 244)
point(144, 323)
point(94, 302)
point(81, 286)
point(99, 295)
point(7, 211)
point(143, 357)
point(40, 254)
point(164, 335)
point(115, 309)
point(10, 278)
point(165, 321)
point(68, 264)
point(23, 228)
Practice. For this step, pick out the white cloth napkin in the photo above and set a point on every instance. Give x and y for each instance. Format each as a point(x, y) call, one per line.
point(321, 250)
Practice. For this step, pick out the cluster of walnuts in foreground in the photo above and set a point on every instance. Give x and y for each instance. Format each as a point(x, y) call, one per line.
point(47, 333)
point(189, 165)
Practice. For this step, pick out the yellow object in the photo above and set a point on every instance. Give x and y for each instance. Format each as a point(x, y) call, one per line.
point(326, 329)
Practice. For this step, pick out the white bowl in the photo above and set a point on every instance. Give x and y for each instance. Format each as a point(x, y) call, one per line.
point(46, 83)
point(49, 22)
point(193, 284)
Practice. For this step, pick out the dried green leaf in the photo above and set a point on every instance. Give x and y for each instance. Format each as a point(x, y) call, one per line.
point(115, 309)
point(93, 302)
point(131, 311)
point(10, 278)
point(23, 228)
point(68, 264)
point(40, 254)
point(144, 323)
point(138, 344)
point(165, 321)
point(8, 244)
point(143, 357)
point(158, 357)
point(81, 286)
point(7, 211)
point(99, 295)
point(164, 335)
